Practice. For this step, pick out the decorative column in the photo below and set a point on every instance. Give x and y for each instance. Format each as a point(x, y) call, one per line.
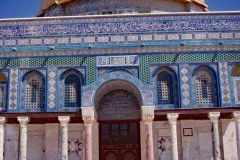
point(88, 121)
point(64, 120)
point(2, 122)
point(213, 116)
point(172, 119)
point(23, 121)
point(148, 121)
point(236, 116)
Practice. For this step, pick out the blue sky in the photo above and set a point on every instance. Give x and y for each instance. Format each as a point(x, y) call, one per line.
point(29, 8)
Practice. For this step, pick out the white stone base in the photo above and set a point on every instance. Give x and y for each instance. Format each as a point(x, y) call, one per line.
point(44, 141)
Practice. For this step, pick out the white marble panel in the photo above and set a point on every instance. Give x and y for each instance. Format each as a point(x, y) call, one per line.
point(213, 35)
point(10, 42)
point(187, 36)
point(89, 39)
point(237, 35)
point(162, 141)
point(205, 145)
point(160, 37)
point(95, 140)
point(203, 140)
point(173, 37)
point(143, 142)
point(188, 141)
point(62, 40)
point(146, 37)
point(75, 141)
point(118, 38)
point(49, 41)
point(11, 141)
point(103, 39)
point(229, 139)
point(76, 40)
point(132, 38)
point(23, 42)
point(35, 147)
point(227, 35)
point(35, 142)
point(200, 36)
point(51, 141)
point(36, 41)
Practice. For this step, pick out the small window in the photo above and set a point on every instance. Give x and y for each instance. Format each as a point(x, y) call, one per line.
point(165, 88)
point(236, 88)
point(72, 91)
point(3, 90)
point(236, 83)
point(205, 91)
point(203, 88)
point(34, 92)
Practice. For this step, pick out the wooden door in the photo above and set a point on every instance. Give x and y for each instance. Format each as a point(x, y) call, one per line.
point(119, 140)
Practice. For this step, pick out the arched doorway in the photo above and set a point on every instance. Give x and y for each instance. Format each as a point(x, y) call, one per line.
point(118, 105)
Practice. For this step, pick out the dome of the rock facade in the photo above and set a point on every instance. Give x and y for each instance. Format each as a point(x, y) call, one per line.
point(99, 7)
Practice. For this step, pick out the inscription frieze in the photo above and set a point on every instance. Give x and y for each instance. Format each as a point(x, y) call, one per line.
point(113, 25)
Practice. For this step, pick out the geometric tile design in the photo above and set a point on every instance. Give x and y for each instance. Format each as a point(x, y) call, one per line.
point(75, 148)
point(66, 61)
point(236, 71)
point(185, 86)
point(13, 89)
point(164, 147)
point(224, 83)
point(52, 75)
point(145, 60)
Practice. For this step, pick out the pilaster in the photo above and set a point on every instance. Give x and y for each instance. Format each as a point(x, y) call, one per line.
point(172, 119)
point(2, 123)
point(147, 119)
point(236, 116)
point(23, 121)
point(88, 122)
point(213, 116)
point(64, 121)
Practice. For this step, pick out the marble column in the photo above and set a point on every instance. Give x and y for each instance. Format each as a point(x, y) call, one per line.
point(148, 121)
point(2, 122)
point(236, 116)
point(172, 119)
point(23, 121)
point(64, 120)
point(213, 116)
point(88, 121)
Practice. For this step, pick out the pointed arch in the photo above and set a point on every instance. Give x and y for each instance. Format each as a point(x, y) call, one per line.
point(236, 83)
point(34, 89)
point(166, 87)
point(3, 91)
point(71, 82)
point(205, 90)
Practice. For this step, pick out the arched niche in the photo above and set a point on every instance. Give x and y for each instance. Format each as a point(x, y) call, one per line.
point(144, 96)
point(118, 100)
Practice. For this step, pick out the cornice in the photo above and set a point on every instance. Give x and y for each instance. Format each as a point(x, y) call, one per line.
point(128, 50)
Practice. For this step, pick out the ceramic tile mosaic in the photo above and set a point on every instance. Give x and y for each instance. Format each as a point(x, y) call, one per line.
point(185, 88)
point(224, 83)
point(13, 96)
point(52, 77)
point(113, 25)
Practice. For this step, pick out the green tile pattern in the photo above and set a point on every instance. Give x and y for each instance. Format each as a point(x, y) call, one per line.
point(44, 62)
point(188, 58)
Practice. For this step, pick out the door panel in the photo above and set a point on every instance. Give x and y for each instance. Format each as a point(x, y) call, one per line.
point(119, 141)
